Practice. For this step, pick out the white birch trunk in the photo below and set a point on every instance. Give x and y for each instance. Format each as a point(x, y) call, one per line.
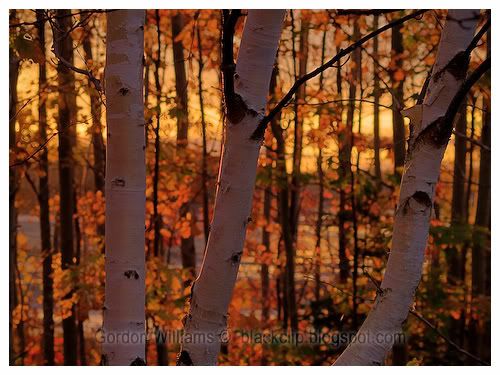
point(212, 290)
point(411, 224)
point(124, 320)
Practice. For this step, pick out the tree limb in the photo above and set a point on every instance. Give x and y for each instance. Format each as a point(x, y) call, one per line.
point(55, 49)
point(261, 128)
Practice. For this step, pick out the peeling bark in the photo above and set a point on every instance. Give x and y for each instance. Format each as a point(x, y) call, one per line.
point(411, 225)
point(125, 191)
point(212, 290)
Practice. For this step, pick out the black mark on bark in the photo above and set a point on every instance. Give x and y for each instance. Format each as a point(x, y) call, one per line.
point(120, 182)
point(422, 198)
point(184, 359)
point(138, 362)
point(123, 91)
point(131, 273)
point(104, 360)
point(236, 257)
point(457, 67)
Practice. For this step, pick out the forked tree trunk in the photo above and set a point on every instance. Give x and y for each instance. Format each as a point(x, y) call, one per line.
point(124, 317)
point(411, 224)
point(212, 290)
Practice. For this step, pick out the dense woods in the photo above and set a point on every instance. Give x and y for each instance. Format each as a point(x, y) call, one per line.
point(249, 187)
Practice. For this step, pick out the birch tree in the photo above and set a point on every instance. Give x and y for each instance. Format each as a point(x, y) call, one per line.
point(245, 91)
point(427, 144)
point(124, 316)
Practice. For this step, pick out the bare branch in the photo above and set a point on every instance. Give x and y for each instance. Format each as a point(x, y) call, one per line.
point(55, 49)
point(261, 128)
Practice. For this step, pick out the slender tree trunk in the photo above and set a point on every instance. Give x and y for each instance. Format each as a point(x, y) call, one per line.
point(319, 226)
point(283, 193)
point(298, 131)
point(264, 268)
point(344, 171)
point(481, 246)
point(456, 254)
point(204, 168)
point(411, 224)
point(157, 219)
point(99, 150)
point(290, 234)
point(188, 252)
point(125, 191)
point(376, 106)
point(294, 209)
point(287, 279)
point(43, 200)
point(352, 195)
point(458, 209)
point(398, 125)
point(13, 187)
point(212, 290)
point(321, 199)
point(266, 238)
point(67, 134)
point(98, 147)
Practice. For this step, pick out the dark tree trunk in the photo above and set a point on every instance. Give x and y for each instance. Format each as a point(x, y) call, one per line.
point(181, 88)
point(264, 268)
point(66, 108)
point(458, 205)
point(157, 220)
point(298, 128)
point(43, 200)
point(161, 346)
point(319, 227)
point(354, 219)
point(398, 125)
point(289, 297)
point(376, 106)
point(480, 335)
point(99, 149)
point(344, 172)
point(13, 187)
point(98, 146)
point(321, 199)
point(204, 168)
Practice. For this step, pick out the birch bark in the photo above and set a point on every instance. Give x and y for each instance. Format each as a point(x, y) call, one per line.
point(205, 323)
point(427, 144)
point(124, 319)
